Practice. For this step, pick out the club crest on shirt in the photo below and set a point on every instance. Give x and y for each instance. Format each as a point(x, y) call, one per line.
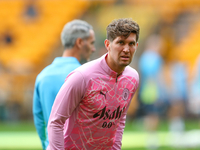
point(125, 94)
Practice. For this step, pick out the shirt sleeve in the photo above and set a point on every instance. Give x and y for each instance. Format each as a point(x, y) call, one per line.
point(67, 100)
point(38, 118)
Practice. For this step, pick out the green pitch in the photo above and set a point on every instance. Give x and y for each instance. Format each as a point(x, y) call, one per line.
point(29, 140)
point(23, 136)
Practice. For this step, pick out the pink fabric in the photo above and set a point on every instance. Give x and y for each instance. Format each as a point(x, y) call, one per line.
point(90, 109)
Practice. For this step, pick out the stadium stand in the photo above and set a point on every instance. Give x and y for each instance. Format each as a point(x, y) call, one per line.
point(30, 31)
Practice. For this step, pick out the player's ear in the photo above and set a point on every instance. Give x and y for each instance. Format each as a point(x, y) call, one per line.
point(79, 42)
point(107, 44)
point(137, 44)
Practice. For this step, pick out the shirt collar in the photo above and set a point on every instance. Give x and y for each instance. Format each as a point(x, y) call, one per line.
point(65, 60)
point(105, 66)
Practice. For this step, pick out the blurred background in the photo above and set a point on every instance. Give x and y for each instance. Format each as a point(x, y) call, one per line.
point(164, 112)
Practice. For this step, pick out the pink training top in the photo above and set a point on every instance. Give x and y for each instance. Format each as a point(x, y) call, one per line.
point(90, 109)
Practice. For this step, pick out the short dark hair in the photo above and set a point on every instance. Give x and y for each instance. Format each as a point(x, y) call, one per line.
point(122, 27)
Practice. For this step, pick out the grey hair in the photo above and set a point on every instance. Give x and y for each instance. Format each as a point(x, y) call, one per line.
point(73, 30)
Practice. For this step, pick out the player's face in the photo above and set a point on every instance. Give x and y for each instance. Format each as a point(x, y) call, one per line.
point(88, 47)
point(121, 51)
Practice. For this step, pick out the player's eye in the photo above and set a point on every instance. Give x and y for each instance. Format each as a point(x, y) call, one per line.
point(132, 43)
point(121, 42)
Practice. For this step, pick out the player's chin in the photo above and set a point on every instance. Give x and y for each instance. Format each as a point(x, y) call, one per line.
point(125, 64)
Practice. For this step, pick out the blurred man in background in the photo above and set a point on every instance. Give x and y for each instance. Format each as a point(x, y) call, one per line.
point(90, 109)
point(194, 98)
point(150, 98)
point(78, 40)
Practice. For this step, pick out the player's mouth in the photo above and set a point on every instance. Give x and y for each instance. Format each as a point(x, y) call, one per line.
point(125, 57)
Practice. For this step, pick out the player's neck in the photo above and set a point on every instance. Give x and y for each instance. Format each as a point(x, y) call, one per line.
point(70, 53)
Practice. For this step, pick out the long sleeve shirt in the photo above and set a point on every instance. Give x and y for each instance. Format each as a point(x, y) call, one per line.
point(90, 109)
point(47, 85)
